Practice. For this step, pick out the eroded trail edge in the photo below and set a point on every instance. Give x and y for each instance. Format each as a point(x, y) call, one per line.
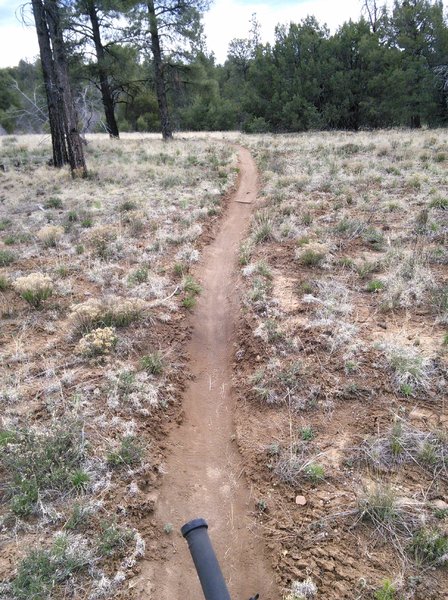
point(204, 475)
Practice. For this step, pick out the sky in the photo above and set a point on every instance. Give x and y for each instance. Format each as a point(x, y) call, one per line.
point(226, 19)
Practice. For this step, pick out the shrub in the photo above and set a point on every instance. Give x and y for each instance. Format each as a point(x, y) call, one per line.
point(408, 283)
point(439, 301)
point(439, 202)
point(379, 505)
point(294, 469)
point(140, 275)
point(4, 283)
point(180, 269)
point(307, 433)
point(385, 592)
point(315, 472)
point(39, 465)
point(34, 288)
point(374, 238)
point(79, 517)
point(152, 363)
point(113, 540)
point(168, 528)
point(127, 205)
point(263, 228)
point(53, 202)
point(402, 443)
point(375, 285)
point(191, 286)
point(245, 254)
point(129, 454)
point(350, 228)
point(106, 312)
point(368, 267)
point(430, 546)
point(98, 342)
point(5, 224)
point(50, 235)
point(311, 258)
point(6, 258)
point(41, 570)
point(100, 238)
point(189, 302)
point(411, 370)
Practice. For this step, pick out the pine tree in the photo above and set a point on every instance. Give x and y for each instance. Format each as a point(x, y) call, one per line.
point(66, 141)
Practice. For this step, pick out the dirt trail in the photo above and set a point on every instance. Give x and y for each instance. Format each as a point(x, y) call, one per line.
point(204, 475)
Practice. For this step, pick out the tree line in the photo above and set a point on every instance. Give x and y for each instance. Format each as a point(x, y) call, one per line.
point(109, 65)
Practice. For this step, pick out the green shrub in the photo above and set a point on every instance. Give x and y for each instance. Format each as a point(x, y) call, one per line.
point(113, 540)
point(374, 238)
point(4, 283)
point(79, 518)
point(189, 302)
point(42, 464)
point(311, 258)
point(307, 433)
point(34, 288)
point(5, 224)
point(53, 202)
point(375, 285)
point(379, 505)
point(385, 592)
point(127, 205)
point(429, 546)
point(6, 258)
point(180, 269)
point(41, 570)
point(315, 472)
point(245, 254)
point(263, 228)
point(129, 454)
point(439, 202)
point(140, 275)
point(191, 286)
point(152, 363)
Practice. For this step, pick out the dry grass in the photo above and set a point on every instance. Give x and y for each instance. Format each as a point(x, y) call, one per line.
point(98, 258)
point(353, 231)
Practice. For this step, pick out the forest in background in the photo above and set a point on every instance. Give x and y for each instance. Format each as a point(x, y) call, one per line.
point(388, 69)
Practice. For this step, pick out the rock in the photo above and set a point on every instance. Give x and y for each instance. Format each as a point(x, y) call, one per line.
point(440, 505)
point(301, 500)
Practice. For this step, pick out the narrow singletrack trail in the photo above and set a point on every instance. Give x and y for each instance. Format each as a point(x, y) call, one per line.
point(204, 475)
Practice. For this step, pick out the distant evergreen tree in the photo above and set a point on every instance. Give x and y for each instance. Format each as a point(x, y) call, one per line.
point(152, 71)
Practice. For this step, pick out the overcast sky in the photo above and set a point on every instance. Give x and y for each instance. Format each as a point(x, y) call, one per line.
point(225, 20)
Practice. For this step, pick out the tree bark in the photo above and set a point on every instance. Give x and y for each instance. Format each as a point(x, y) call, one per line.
point(55, 111)
point(167, 132)
point(75, 149)
point(106, 94)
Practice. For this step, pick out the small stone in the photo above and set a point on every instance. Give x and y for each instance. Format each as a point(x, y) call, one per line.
point(440, 505)
point(301, 500)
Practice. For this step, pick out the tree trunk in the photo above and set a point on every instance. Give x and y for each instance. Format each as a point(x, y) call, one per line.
point(55, 110)
point(158, 73)
point(75, 149)
point(106, 94)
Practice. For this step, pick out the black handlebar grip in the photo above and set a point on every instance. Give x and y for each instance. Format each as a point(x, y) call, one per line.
point(205, 561)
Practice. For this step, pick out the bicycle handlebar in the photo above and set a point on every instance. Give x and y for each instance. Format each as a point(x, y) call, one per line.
point(205, 561)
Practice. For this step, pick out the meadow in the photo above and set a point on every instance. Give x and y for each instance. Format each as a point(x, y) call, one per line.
point(339, 363)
